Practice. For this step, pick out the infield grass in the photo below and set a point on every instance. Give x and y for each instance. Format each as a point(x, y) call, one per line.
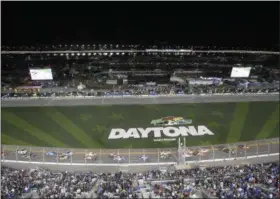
point(89, 126)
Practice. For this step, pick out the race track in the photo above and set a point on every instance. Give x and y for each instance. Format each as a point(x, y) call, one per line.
point(78, 157)
point(128, 100)
point(260, 148)
point(131, 156)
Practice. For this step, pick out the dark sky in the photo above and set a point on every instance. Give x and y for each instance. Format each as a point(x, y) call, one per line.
point(253, 24)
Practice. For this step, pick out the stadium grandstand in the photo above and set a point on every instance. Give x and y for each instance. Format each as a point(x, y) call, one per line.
point(171, 70)
point(101, 71)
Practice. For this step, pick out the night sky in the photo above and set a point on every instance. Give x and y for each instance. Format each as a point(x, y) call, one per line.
point(254, 24)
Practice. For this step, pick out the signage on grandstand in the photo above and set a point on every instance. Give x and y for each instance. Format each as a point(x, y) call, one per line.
point(41, 74)
point(240, 72)
point(158, 132)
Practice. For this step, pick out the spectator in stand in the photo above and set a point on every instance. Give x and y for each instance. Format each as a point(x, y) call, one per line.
point(244, 181)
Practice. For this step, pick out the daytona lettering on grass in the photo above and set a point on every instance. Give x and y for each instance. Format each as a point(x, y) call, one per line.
point(158, 132)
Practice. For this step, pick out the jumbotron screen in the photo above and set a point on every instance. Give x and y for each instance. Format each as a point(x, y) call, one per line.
point(41, 74)
point(240, 72)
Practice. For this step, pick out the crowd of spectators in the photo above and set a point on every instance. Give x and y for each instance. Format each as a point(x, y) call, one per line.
point(41, 183)
point(121, 46)
point(134, 90)
point(94, 69)
point(239, 181)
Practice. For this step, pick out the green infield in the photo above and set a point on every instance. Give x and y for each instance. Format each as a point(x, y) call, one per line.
point(90, 126)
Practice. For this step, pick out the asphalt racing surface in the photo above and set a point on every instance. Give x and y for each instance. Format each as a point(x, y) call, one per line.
point(119, 100)
point(79, 155)
point(131, 156)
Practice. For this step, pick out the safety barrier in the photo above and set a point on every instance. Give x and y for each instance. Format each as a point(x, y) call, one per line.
point(232, 159)
point(92, 164)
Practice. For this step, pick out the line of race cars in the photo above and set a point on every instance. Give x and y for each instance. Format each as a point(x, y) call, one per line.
point(202, 152)
point(22, 152)
point(60, 156)
point(66, 155)
point(116, 156)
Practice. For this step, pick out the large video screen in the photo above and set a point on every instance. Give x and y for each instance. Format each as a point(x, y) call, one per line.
point(240, 72)
point(41, 74)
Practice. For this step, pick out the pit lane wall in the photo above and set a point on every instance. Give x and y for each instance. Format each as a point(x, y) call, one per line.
point(255, 152)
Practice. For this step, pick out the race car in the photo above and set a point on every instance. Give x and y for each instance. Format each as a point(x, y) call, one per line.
point(63, 157)
point(68, 153)
point(119, 158)
point(91, 156)
point(51, 153)
point(22, 151)
point(242, 146)
point(204, 150)
point(3, 154)
point(170, 121)
point(165, 154)
point(229, 150)
point(143, 157)
point(30, 155)
point(219, 147)
point(197, 152)
point(188, 153)
point(112, 155)
point(200, 153)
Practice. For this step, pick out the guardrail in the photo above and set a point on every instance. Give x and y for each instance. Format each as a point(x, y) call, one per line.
point(92, 164)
